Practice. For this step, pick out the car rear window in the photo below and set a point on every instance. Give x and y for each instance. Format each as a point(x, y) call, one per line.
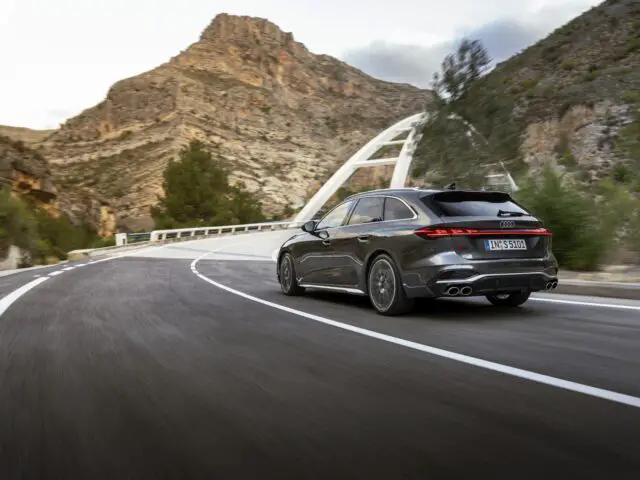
point(471, 204)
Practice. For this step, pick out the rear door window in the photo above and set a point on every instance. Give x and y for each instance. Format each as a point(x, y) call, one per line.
point(472, 204)
point(394, 209)
point(367, 210)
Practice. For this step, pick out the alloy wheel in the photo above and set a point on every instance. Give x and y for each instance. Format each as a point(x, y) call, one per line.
point(286, 273)
point(382, 284)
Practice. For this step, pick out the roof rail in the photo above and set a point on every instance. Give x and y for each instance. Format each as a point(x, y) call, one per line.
point(377, 190)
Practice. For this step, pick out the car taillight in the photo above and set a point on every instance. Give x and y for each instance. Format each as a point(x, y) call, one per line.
point(435, 232)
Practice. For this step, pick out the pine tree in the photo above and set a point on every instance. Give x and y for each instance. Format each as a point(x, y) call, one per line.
point(197, 193)
point(470, 123)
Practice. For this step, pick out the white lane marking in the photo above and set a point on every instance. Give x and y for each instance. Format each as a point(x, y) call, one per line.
point(81, 265)
point(7, 301)
point(274, 255)
point(477, 362)
point(586, 304)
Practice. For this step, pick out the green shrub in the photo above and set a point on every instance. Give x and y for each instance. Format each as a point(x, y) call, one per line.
point(587, 225)
point(17, 225)
point(24, 224)
point(631, 97)
point(197, 193)
point(579, 243)
point(61, 236)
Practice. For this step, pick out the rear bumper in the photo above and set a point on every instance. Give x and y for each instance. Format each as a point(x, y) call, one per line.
point(482, 278)
point(483, 284)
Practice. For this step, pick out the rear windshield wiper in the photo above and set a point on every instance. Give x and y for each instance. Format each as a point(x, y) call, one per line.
point(507, 213)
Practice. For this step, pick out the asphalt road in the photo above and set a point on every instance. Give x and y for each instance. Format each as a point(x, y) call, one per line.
point(138, 368)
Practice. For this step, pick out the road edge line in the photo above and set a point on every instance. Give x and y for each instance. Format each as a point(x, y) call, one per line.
point(12, 297)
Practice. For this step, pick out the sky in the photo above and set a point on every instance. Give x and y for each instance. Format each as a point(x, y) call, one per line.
point(61, 56)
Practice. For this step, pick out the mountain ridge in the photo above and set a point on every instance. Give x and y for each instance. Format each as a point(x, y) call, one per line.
point(280, 116)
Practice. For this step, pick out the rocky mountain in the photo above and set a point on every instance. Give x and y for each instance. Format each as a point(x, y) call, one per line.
point(575, 96)
point(282, 117)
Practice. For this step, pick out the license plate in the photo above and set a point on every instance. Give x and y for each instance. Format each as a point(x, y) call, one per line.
point(505, 244)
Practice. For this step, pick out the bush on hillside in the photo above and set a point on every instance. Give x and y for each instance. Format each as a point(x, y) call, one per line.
point(17, 225)
point(197, 193)
point(587, 226)
point(25, 225)
point(58, 236)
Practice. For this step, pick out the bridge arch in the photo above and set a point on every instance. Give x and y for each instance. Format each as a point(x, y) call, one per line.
point(360, 159)
point(402, 163)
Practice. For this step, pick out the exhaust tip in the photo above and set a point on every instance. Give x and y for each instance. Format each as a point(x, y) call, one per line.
point(466, 291)
point(554, 285)
point(452, 291)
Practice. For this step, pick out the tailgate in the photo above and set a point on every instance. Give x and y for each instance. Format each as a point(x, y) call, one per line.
point(489, 225)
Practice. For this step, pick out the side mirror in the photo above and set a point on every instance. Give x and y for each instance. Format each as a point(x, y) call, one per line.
point(310, 226)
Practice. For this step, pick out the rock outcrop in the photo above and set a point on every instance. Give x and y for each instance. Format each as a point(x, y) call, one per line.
point(27, 174)
point(577, 95)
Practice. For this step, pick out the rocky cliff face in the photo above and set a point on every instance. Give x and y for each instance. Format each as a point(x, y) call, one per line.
point(27, 174)
point(282, 117)
point(26, 171)
point(578, 94)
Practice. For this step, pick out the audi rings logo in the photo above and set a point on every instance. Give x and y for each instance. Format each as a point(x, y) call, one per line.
point(507, 224)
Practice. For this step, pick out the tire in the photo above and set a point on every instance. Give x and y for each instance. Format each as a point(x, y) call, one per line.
point(288, 281)
point(384, 287)
point(509, 300)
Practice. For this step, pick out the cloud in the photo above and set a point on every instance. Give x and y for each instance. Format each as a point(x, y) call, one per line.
point(502, 38)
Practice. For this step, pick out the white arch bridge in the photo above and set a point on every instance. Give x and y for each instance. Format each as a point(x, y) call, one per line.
point(404, 134)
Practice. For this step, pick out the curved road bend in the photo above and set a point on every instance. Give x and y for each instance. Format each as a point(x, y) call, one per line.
point(142, 367)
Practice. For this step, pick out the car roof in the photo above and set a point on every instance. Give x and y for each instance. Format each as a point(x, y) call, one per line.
point(399, 192)
point(411, 192)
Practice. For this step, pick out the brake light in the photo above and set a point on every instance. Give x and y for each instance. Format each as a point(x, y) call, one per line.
point(431, 232)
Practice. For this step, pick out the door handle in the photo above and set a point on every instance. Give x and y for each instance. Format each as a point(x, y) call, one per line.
point(363, 238)
point(326, 241)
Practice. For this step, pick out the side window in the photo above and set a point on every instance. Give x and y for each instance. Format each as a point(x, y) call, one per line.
point(367, 210)
point(394, 209)
point(335, 217)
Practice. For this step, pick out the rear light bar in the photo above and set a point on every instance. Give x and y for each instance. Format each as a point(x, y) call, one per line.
point(430, 232)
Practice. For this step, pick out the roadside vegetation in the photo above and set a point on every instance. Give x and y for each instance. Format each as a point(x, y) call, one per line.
point(590, 226)
point(472, 127)
point(44, 238)
point(197, 192)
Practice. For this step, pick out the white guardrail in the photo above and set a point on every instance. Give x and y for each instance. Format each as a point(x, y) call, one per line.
point(159, 235)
